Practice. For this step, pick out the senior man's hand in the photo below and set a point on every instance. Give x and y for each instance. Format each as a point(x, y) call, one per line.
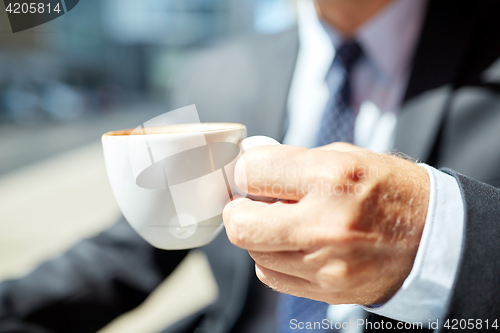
point(348, 230)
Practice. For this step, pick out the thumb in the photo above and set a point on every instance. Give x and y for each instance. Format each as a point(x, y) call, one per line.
point(341, 147)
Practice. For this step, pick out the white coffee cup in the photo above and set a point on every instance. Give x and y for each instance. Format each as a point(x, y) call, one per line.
point(172, 182)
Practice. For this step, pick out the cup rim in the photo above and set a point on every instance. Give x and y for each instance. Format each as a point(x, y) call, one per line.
point(228, 127)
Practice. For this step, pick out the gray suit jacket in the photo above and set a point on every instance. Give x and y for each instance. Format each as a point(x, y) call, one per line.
point(450, 118)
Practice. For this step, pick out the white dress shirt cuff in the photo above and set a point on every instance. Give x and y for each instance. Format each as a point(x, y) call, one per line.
point(426, 291)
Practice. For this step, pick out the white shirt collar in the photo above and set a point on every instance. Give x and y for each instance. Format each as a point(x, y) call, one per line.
point(388, 39)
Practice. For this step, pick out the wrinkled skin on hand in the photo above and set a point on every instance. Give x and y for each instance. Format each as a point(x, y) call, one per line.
point(348, 227)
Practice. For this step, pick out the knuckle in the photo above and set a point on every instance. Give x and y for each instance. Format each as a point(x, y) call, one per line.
point(236, 231)
point(334, 276)
point(318, 257)
point(351, 223)
point(338, 269)
point(342, 146)
point(345, 228)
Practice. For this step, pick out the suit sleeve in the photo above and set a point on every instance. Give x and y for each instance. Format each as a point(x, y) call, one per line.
point(476, 290)
point(91, 284)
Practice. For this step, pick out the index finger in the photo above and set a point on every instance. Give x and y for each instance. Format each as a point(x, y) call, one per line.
point(286, 172)
point(279, 226)
point(264, 227)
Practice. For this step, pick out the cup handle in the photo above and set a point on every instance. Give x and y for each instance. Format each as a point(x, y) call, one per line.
point(257, 141)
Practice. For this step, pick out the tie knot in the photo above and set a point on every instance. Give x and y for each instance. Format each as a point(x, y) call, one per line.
point(347, 54)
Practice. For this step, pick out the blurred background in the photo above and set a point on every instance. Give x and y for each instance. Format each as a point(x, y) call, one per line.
point(106, 65)
point(110, 59)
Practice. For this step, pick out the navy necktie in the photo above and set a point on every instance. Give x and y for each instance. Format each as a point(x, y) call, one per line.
point(337, 124)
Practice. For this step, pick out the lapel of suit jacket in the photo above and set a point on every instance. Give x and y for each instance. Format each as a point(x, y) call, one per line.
point(436, 65)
